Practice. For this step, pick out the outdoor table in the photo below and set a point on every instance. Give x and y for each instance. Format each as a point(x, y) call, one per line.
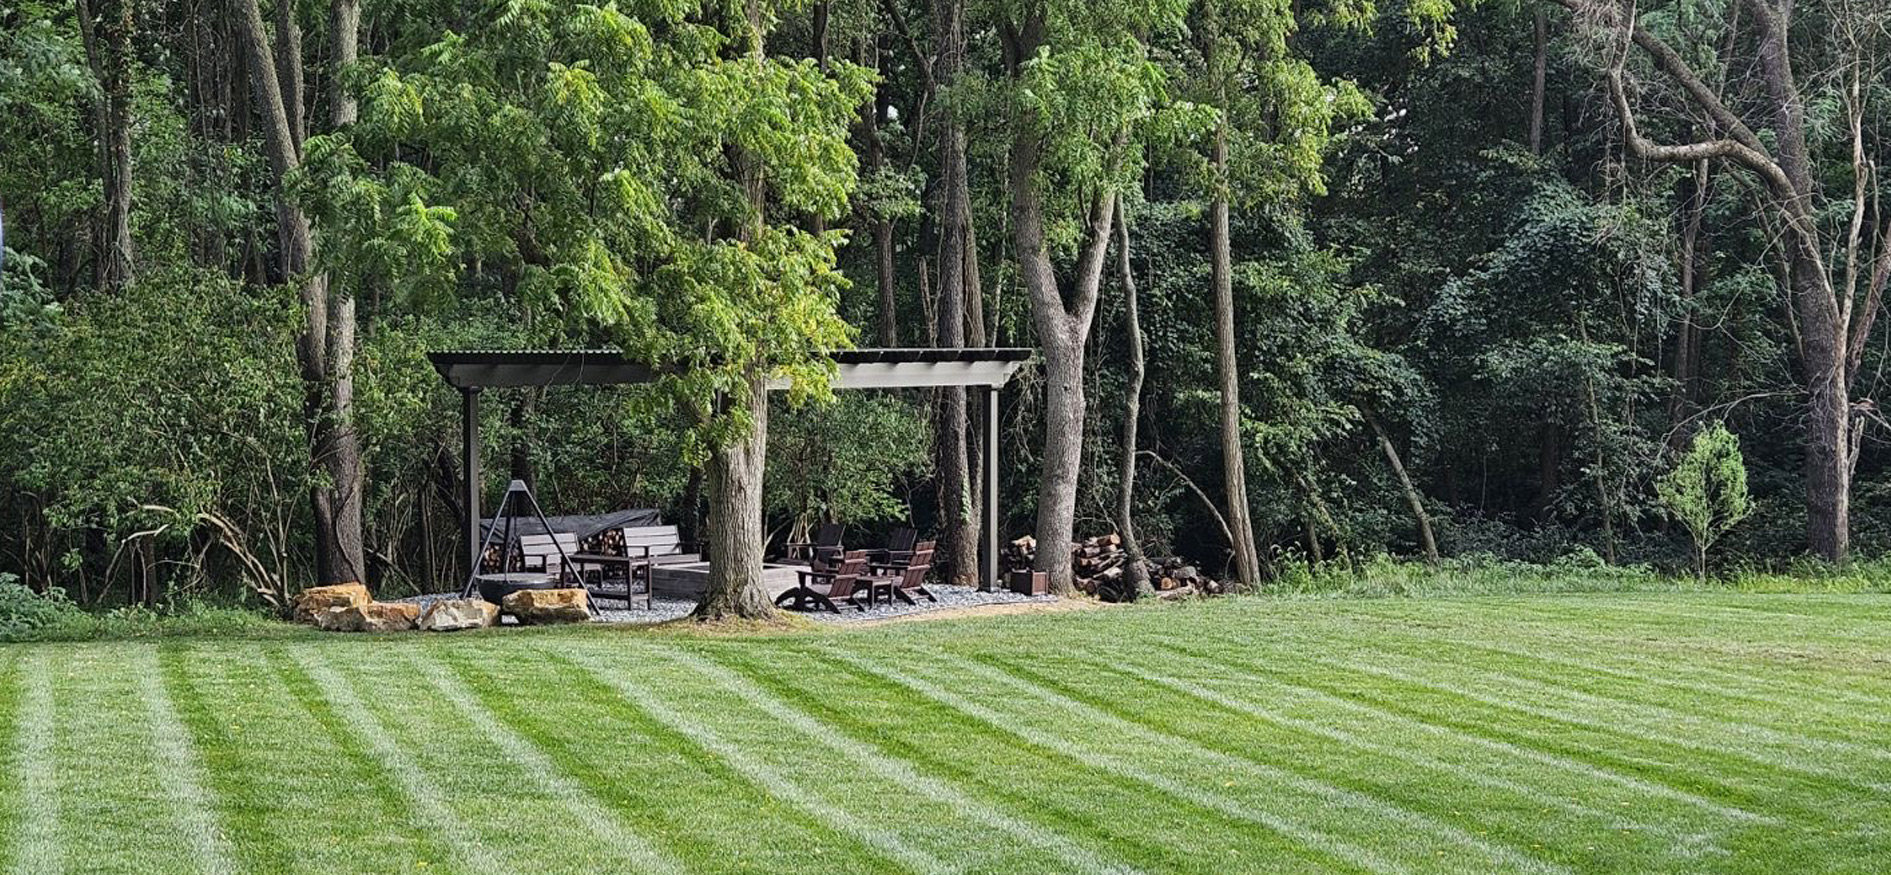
point(629, 564)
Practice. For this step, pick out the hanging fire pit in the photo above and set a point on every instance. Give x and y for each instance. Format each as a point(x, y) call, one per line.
point(496, 586)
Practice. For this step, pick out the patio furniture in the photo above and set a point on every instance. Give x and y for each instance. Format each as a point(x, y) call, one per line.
point(515, 501)
point(605, 562)
point(827, 588)
point(903, 581)
point(824, 548)
point(899, 547)
point(898, 560)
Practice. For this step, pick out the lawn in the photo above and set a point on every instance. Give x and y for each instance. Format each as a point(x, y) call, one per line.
point(1626, 733)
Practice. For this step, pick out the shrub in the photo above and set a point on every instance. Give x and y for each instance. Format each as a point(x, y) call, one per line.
point(1707, 490)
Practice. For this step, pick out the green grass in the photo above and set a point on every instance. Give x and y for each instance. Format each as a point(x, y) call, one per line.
point(1677, 732)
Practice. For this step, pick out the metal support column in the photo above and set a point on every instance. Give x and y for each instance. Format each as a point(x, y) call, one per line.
point(469, 468)
point(988, 447)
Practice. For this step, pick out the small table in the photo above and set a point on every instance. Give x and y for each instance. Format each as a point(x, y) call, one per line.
point(604, 561)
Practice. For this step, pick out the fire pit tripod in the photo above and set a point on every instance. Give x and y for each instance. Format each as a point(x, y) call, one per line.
point(495, 586)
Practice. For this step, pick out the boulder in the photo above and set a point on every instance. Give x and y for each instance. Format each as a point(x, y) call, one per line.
point(371, 617)
point(448, 615)
point(548, 605)
point(340, 618)
point(317, 599)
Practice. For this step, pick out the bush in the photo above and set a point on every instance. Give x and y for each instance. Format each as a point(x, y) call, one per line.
point(28, 616)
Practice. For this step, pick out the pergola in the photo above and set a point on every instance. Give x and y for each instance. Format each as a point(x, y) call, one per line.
point(984, 371)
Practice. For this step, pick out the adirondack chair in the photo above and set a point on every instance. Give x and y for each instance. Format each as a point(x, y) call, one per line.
point(899, 547)
point(825, 549)
point(827, 589)
point(903, 582)
point(544, 553)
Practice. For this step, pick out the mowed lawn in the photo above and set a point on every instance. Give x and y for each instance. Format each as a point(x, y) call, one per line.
point(1678, 733)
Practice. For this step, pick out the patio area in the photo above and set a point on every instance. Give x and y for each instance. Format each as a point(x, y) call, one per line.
point(665, 607)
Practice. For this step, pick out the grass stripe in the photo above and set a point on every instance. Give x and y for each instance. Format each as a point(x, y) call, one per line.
point(1512, 858)
point(1361, 857)
point(754, 770)
point(1374, 715)
point(901, 772)
point(597, 817)
point(424, 798)
point(1227, 702)
point(180, 770)
point(39, 845)
point(1071, 794)
point(1649, 727)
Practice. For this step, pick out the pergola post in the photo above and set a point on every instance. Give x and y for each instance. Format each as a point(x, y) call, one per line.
point(469, 469)
point(988, 449)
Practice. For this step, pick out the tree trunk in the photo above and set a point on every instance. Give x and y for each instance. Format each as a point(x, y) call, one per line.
point(1063, 326)
point(959, 523)
point(734, 478)
point(107, 41)
point(1228, 373)
point(1416, 502)
point(1539, 81)
point(325, 348)
point(1138, 568)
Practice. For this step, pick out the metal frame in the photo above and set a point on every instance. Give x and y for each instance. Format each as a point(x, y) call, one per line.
point(984, 371)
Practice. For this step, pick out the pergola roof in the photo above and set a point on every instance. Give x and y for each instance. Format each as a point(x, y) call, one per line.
point(858, 368)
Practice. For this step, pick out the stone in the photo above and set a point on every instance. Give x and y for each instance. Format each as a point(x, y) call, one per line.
point(317, 599)
point(448, 615)
point(340, 618)
point(370, 617)
point(548, 605)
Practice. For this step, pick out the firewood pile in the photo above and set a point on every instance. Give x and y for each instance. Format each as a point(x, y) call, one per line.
point(1101, 566)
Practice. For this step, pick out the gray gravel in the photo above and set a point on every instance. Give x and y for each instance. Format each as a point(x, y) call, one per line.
point(610, 610)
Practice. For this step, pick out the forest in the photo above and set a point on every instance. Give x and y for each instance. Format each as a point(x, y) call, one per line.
point(1308, 283)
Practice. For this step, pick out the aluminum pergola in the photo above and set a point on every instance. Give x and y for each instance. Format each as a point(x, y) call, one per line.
point(984, 371)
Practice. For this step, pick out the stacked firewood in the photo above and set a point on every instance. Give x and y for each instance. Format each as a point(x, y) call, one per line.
point(1101, 566)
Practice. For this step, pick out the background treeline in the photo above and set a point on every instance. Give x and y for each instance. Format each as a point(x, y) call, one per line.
point(1404, 281)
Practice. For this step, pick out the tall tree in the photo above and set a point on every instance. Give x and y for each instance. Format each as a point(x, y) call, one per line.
point(1137, 571)
point(1082, 92)
point(960, 523)
point(107, 38)
point(1836, 271)
point(326, 347)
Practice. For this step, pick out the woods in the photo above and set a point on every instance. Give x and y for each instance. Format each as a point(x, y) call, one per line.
point(1306, 283)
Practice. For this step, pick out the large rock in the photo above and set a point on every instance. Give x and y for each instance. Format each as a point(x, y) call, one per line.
point(371, 617)
point(318, 599)
point(449, 615)
point(548, 605)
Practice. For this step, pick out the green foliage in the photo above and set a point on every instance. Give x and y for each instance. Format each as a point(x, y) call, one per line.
point(29, 616)
point(845, 461)
point(1706, 491)
point(618, 184)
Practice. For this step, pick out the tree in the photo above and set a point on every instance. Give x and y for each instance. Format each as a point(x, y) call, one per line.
point(1706, 491)
point(648, 193)
point(325, 350)
point(1835, 280)
point(1083, 94)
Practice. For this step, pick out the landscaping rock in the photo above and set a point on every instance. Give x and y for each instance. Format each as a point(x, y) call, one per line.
point(548, 605)
point(318, 599)
point(371, 617)
point(448, 615)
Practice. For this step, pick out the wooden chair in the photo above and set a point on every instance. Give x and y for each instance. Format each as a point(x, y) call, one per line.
point(905, 581)
point(542, 553)
point(899, 547)
point(827, 589)
point(824, 549)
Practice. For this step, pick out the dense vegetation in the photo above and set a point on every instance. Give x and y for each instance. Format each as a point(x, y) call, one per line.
point(1429, 277)
point(1653, 733)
